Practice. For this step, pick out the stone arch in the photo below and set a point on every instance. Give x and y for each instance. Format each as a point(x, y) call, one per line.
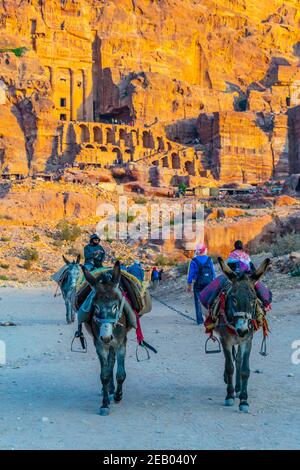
point(160, 144)
point(165, 162)
point(129, 155)
point(89, 146)
point(134, 137)
point(103, 148)
point(148, 141)
point(85, 133)
point(110, 136)
point(122, 134)
point(189, 168)
point(97, 131)
point(118, 153)
point(175, 161)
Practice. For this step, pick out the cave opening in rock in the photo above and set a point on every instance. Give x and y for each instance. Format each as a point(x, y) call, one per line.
point(117, 116)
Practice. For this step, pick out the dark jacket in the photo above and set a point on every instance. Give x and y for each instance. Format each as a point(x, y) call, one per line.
point(94, 256)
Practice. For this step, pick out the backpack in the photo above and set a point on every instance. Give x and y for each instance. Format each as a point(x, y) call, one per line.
point(205, 274)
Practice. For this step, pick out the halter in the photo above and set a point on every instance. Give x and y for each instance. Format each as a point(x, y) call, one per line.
point(114, 321)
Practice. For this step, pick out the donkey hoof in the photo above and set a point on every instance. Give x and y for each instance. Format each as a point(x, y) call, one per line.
point(118, 398)
point(244, 407)
point(229, 402)
point(104, 411)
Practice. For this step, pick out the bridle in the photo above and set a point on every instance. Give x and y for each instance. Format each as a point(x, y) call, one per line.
point(116, 321)
point(246, 316)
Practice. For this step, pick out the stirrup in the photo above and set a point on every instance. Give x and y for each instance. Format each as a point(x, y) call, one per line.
point(79, 335)
point(217, 348)
point(263, 348)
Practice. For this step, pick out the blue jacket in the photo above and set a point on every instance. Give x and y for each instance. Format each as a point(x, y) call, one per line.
point(193, 269)
point(94, 255)
point(137, 271)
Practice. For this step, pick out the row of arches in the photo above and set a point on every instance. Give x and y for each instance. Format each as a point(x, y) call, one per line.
point(110, 135)
point(174, 162)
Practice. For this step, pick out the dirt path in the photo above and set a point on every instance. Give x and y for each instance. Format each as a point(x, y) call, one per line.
point(50, 397)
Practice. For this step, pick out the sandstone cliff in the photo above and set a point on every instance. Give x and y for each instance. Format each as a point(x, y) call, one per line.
point(151, 63)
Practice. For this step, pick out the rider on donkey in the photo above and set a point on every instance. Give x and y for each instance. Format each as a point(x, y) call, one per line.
point(94, 253)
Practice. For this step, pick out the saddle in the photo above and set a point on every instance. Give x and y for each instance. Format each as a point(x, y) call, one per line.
point(136, 292)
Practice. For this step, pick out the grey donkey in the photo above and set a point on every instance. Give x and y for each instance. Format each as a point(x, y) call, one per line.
point(68, 286)
point(111, 317)
point(240, 310)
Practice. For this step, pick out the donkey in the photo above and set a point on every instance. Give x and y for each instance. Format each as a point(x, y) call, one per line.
point(240, 310)
point(68, 286)
point(110, 319)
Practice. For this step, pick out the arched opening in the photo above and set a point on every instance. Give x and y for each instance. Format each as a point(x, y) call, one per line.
point(160, 144)
point(97, 135)
point(89, 146)
point(189, 168)
point(110, 136)
point(103, 149)
point(122, 134)
point(118, 153)
point(148, 141)
point(128, 155)
point(175, 161)
point(134, 138)
point(165, 162)
point(85, 134)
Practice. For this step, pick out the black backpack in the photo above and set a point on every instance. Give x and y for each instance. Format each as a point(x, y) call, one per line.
point(204, 275)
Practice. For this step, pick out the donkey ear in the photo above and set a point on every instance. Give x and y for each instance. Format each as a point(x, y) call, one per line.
point(78, 259)
point(259, 272)
point(116, 275)
point(65, 260)
point(89, 277)
point(226, 269)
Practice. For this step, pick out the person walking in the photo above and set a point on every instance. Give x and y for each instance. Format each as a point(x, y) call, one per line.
point(201, 273)
point(155, 278)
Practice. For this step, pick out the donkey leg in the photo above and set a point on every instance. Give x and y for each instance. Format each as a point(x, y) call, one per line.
point(111, 387)
point(68, 311)
point(228, 374)
point(121, 373)
point(238, 361)
point(107, 359)
point(245, 373)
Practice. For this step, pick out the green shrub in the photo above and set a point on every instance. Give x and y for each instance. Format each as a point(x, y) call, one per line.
point(67, 231)
point(4, 239)
point(162, 260)
point(3, 278)
point(27, 265)
point(282, 245)
point(140, 200)
point(31, 254)
point(36, 238)
point(18, 51)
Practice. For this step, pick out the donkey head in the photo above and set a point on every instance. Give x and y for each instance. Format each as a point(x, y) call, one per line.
point(73, 270)
point(106, 306)
point(242, 297)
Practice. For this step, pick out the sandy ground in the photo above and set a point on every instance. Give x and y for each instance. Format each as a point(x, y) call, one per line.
point(50, 397)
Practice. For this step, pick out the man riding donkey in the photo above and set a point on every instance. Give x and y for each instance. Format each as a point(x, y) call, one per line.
point(237, 303)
